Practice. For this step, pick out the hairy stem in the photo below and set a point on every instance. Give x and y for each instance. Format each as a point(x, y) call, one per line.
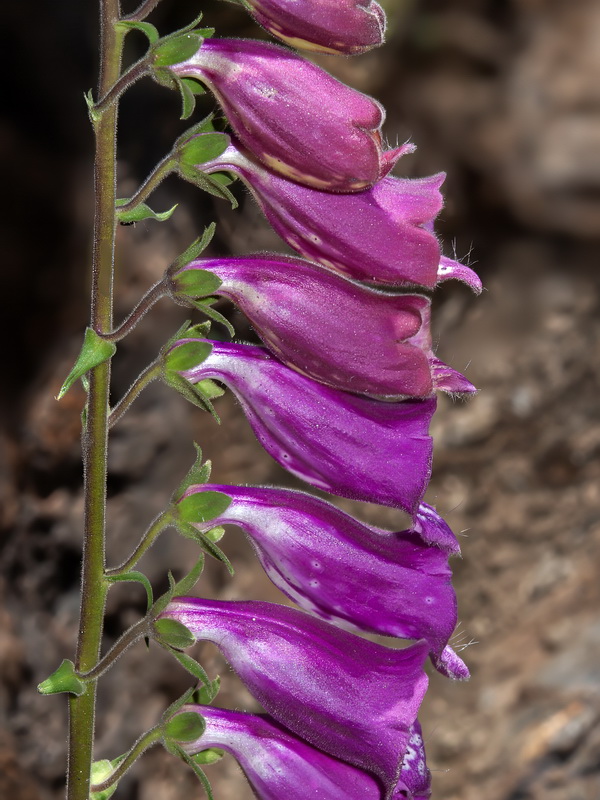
point(158, 174)
point(142, 11)
point(95, 436)
point(131, 635)
point(150, 374)
point(152, 296)
point(145, 741)
point(163, 521)
point(133, 74)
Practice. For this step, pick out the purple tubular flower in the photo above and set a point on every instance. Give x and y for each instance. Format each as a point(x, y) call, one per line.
point(292, 115)
point(345, 444)
point(382, 235)
point(377, 344)
point(327, 26)
point(415, 779)
point(277, 763)
point(349, 697)
point(344, 571)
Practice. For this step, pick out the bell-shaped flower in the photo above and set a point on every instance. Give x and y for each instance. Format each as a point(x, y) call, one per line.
point(277, 763)
point(337, 331)
point(350, 573)
point(292, 115)
point(349, 445)
point(328, 26)
point(383, 235)
point(349, 697)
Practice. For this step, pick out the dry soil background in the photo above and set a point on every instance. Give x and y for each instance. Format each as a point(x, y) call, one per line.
point(503, 95)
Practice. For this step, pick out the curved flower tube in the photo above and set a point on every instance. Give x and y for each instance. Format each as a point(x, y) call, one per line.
point(348, 445)
point(376, 344)
point(352, 698)
point(294, 116)
point(383, 235)
point(415, 775)
point(328, 26)
point(278, 764)
point(344, 571)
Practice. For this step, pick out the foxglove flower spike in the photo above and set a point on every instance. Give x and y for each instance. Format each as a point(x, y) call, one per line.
point(292, 115)
point(344, 571)
point(329, 26)
point(348, 445)
point(352, 698)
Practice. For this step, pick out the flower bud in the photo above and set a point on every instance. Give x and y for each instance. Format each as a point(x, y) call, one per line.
point(277, 763)
point(327, 26)
point(337, 331)
point(344, 571)
point(345, 444)
point(292, 115)
point(383, 235)
point(354, 699)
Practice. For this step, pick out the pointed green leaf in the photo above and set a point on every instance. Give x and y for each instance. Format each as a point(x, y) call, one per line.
point(215, 534)
point(191, 532)
point(193, 251)
point(191, 665)
point(187, 583)
point(63, 679)
point(202, 506)
point(142, 212)
point(205, 306)
point(135, 577)
point(194, 86)
point(204, 695)
point(179, 751)
point(94, 351)
point(187, 697)
point(185, 727)
point(204, 126)
point(144, 27)
point(196, 283)
point(173, 633)
point(207, 183)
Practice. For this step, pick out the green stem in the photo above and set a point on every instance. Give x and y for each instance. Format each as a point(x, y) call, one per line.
point(133, 74)
point(148, 739)
point(163, 521)
point(95, 436)
point(142, 12)
point(158, 174)
point(131, 635)
point(150, 374)
point(151, 297)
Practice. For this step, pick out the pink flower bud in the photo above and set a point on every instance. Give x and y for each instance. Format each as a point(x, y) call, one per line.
point(329, 26)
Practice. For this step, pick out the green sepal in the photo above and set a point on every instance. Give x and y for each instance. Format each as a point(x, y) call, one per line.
point(202, 506)
point(185, 727)
point(135, 577)
point(187, 356)
point(94, 351)
point(215, 534)
point(101, 770)
point(63, 679)
point(204, 126)
point(194, 86)
point(191, 665)
point(199, 473)
point(187, 697)
point(141, 212)
point(208, 183)
point(183, 586)
point(177, 750)
point(173, 633)
point(202, 148)
point(146, 28)
point(195, 283)
point(205, 306)
point(176, 48)
point(204, 695)
point(198, 246)
point(209, 756)
point(206, 543)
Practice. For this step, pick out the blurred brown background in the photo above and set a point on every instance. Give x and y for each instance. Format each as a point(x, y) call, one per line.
point(504, 96)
